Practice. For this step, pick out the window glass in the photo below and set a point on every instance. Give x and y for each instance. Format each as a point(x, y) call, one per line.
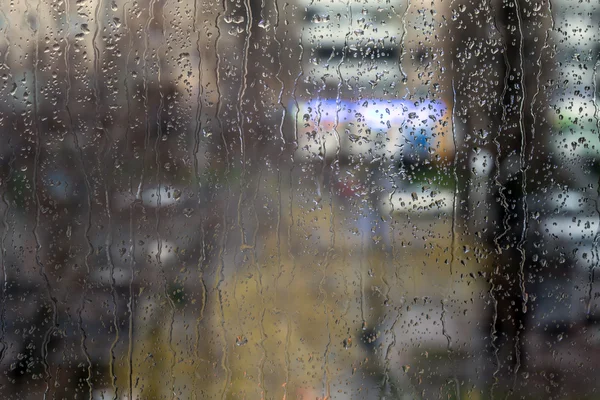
point(299, 199)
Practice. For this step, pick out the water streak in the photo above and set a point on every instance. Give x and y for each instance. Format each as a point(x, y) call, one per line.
point(90, 248)
point(523, 171)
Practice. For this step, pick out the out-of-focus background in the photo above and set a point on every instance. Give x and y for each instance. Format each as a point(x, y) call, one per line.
point(299, 199)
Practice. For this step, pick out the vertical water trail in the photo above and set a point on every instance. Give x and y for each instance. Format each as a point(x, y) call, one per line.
point(503, 203)
point(279, 80)
point(403, 45)
point(198, 121)
point(201, 265)
point(282, 149)
point(280, 198)
point(322, 292)
point(6, 211)
point(361, 283)
point(500, 129)
point(545, 46)
point(388, 356)
point(220, 274)
point(259, 288)
point(220, 278)
point(132, 261)
point(244, 245)
point(326, 372)
point(323, 139)
point(523, 171)
point(595, 262)
point(331, 250)
point(103, 164)
point(131, 300)
point(90, 247)
point(454, 173)
point(288, 334)
point(126, 77)
point(522, 161)
point(454, 214)
point(293, 160)
point(386, 284)
point(37, 206)
point(202, 257)
point(3, 258)
point(396, 279)
point(6, 37)
point(240, 119)
point(449, 346)
point(338, 96)
point(218, 88)
point(454, 205)
point(444, 330)
point(147, 35)
point(140, 188)
point(159, 245)
point(291, 215)
point(199, 107)
point(138, 196)
point(96, 61)
point(328, 258)
point(108, 247)
point(334, 165)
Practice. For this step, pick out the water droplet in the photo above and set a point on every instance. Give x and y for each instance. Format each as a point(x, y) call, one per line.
point(347, 343)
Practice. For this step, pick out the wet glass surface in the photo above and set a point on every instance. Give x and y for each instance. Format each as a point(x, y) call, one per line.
point(308, 199)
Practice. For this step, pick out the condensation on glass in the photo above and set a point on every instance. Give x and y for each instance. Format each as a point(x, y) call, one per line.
point(304, 199)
